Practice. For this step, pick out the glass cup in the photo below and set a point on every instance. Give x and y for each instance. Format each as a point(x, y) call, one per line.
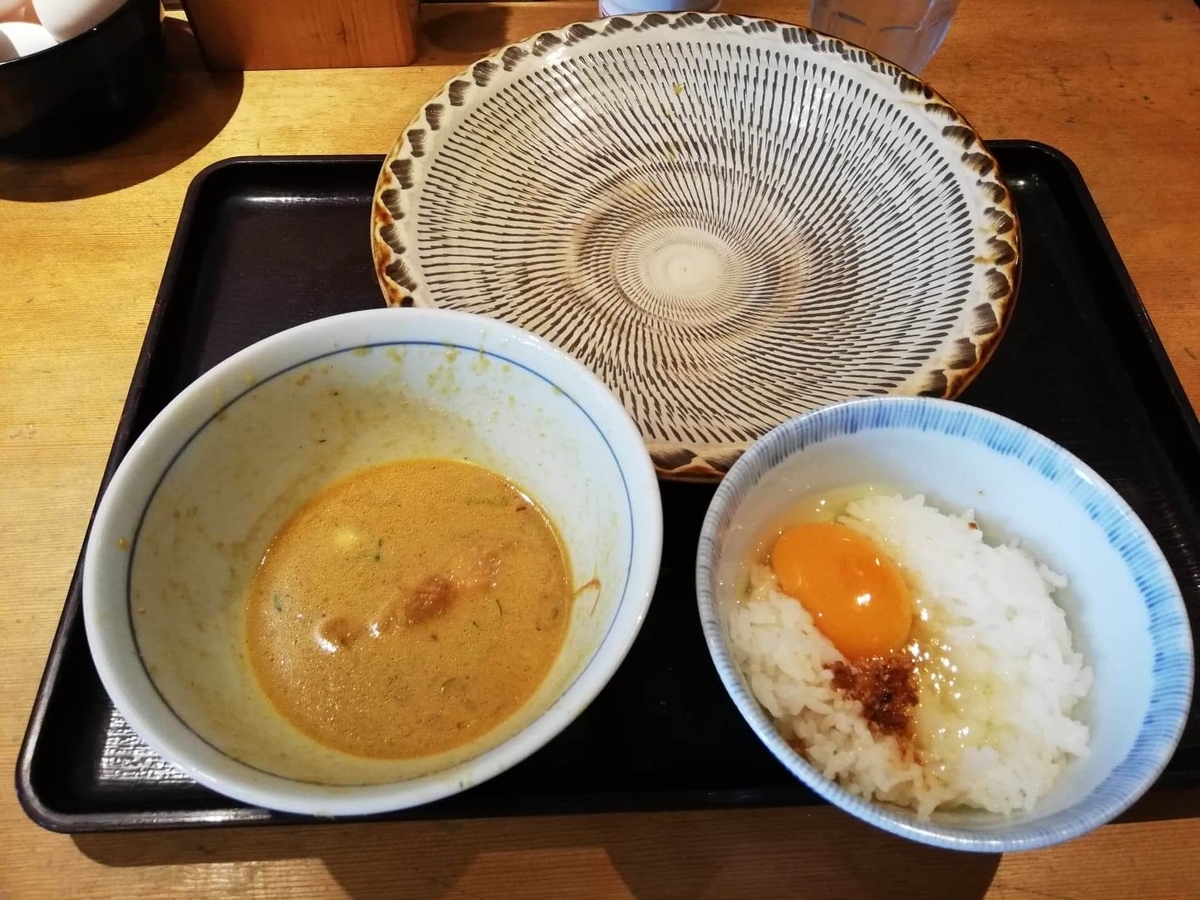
point(906, 32)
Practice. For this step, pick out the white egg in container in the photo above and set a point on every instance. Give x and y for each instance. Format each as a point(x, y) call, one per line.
point(81, 78)
point(19, 39)
point(67, 18)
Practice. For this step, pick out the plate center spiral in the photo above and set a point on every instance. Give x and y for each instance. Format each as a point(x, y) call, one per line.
point(679, 272)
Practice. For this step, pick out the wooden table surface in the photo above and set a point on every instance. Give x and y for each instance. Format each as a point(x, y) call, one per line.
point(1114, 83)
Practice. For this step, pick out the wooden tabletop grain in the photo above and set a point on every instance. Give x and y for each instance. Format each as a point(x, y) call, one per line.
point(1113, 83)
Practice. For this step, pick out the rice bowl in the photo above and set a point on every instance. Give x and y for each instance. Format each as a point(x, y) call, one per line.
point(1122, 606)
point(994, 735)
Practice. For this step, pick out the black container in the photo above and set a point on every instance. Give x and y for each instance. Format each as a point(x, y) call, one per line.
point(87, 91)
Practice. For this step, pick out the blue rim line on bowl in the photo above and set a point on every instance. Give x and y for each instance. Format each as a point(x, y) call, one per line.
point(133, 545)
point(1173, 667)
point(478, 769)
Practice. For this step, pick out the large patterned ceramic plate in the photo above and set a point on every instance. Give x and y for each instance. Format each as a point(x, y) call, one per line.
point(730, 220)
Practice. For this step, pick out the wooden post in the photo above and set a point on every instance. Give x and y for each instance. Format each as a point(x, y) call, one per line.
point(304, 34)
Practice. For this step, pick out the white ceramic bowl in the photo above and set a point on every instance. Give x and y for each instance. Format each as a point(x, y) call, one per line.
point(188, 514)
point(1124, 608)
point(731, 220)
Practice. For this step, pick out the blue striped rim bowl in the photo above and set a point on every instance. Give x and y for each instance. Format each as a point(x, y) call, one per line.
point(1123, 605)
point(188, 514)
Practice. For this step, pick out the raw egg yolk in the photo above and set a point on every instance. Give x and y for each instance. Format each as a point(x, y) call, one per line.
point(856, 595)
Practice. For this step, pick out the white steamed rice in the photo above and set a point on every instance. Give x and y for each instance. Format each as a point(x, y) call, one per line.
point(1020, 678)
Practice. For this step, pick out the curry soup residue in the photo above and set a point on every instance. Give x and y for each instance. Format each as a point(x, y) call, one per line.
point(408, 609)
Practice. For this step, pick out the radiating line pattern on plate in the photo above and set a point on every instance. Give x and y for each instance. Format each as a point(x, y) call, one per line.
point(729, 232)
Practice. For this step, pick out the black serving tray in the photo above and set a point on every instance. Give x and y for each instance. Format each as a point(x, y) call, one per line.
point(267, 243)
